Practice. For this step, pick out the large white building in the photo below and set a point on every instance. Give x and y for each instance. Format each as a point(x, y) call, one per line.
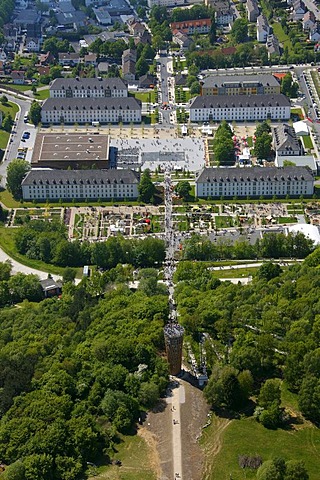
point(88, 88)
point(254, 182)
point(239, 108)
point(166, 3)
point(87, 110)
point(80, 184)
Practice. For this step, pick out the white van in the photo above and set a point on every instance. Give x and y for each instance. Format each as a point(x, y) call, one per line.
point(26, 117)
point(95, 124)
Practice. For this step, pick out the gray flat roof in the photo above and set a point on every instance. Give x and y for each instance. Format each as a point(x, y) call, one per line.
point(236, 101)
point(69, 177)
point(113, 83)
point(104, 103)
point(70, 147)
point(218, 81)
point(254, 174)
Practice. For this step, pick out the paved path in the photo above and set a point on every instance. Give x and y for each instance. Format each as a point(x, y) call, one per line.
point(178, 397)
point(19, 267)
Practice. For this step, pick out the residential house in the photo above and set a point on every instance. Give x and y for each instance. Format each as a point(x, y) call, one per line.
point(254, 182)
point(50, 287)
point(145, 38)
point(129, 59)
point(308, 21)
point(224, 18)
point(263, 29)
point(218, 5)
point(181, 39)
point(314, 34)
point(239, 108)
point(91, 59)
point(273, 46)
point(147, 81)
point(80, 184)
point(189, 27)
point(69, 59)
point(252, 10)
point(285, 141)
point(18, 77)
point(299, 9)
point(136, 28)
point(33, 44)
point(102, 15)
point(180, 80)
point(46, 59)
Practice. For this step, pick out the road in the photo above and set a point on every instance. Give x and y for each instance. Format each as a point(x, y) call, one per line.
point(15, 138)
point(312, 7)
point(19, 267)
point(163, 88)
point(178, 397)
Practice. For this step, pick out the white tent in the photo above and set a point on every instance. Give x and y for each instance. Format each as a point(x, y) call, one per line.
point(300, 128)
point(309, 231)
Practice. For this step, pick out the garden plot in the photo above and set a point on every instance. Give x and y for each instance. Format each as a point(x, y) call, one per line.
point(24, 215)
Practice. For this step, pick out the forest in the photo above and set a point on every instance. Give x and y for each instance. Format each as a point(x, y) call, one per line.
point(258, 336)
point(74, 372)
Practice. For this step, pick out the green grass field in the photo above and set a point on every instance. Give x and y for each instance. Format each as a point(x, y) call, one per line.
point(307, 142)
point(20, 88)
point(9, 107)
point(42, 94)
point(231, 438)
point(282, 220)
point(4, 137)
point(146, 97)
point(136, 465)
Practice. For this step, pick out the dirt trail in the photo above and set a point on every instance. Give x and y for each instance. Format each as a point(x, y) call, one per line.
point(214, 444)
point(153, 453)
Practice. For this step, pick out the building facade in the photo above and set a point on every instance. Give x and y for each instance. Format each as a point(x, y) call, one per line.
point(285, 141)
point(88, 88)
point(87, 110)
point(80, 184)
point(240, 108)
point(254, 182)
point(240, 85)
point(263, 29)
point(189, 27)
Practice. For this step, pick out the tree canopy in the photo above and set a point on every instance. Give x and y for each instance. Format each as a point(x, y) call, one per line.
point(16, 170)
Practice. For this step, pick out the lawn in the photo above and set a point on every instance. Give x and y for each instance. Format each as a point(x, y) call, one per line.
point(145, 97)
point(247, 437)
point(20, 88)
point(42, 94)
point(9, 107)
point(4, 137)
point(282, 36)
point(307, 142)
point(134, 454)
point(298, 112)
point(224, 222)
point(236, 273)
point(282, 220)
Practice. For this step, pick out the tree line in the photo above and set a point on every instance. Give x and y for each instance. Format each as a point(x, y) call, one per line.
point(47, 241)
point(271, 245)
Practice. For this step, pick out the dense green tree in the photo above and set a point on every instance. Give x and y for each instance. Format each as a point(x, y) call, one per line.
point(183, 189)
point(262, 146)
point(288, 86)
point(16, 171)
point(239, 31)
point(35, 113)
point(146, 187)
point(7, 123)
point(296, 470)
point(269, 270)
point(223, 388)
point(309, 398)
